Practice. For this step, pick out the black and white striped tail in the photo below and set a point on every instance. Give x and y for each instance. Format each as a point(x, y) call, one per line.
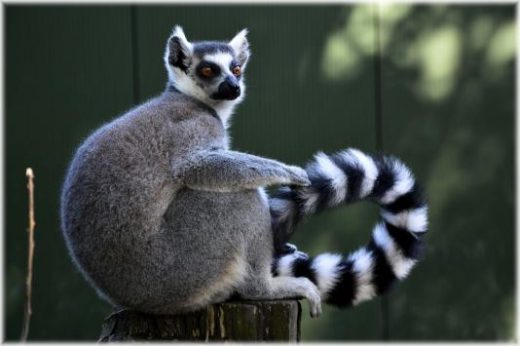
point(396, 241)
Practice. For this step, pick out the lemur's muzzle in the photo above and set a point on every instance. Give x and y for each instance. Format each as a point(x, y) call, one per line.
point(227, 90)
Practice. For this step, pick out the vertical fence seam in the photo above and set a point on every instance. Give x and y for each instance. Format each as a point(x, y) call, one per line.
point(136, 83)
point(378, 83)
point(378, 80)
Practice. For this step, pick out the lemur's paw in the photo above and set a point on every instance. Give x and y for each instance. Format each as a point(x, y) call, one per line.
point(316, 311)
point(301, 255)
point(313, 296)
point(314, 302)
point(298, 176)
point(289, 249)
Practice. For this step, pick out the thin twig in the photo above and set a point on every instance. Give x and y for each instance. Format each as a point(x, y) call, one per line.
point(30, 230)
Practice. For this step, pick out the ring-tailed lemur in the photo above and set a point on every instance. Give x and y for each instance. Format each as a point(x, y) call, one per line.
point(162, 217)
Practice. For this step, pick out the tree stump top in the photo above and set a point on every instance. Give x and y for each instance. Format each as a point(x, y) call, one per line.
point(276, 320)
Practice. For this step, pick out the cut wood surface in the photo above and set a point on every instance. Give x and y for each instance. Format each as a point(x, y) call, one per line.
point(277, 320)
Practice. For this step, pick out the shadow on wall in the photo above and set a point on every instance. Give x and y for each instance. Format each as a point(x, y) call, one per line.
point(432, 42)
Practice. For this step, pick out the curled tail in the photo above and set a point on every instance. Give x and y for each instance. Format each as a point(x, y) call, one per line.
point(396, 241)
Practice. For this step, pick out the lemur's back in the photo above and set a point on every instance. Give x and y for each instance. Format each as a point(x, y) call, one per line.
point(122, 174)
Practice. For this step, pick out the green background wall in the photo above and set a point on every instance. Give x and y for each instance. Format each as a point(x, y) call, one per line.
point(432, 84)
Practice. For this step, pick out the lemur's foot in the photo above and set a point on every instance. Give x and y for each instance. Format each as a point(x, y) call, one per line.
point(309, 290)
point(316, 310)
point(292, 249)
point(314, 298)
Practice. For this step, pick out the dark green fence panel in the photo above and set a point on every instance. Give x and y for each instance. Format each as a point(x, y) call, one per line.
point(68, 70)
point(448, 86)
point(440, 95)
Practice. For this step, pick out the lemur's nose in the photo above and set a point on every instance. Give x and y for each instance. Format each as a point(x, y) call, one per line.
point(232, 84)
point(229, 89)
point(234, 87)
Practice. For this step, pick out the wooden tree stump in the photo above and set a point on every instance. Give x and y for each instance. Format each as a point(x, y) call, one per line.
point(277, 320)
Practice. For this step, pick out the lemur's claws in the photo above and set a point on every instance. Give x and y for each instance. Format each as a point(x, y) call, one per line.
point(289, 249)
point(316, 310)
point(298, 176)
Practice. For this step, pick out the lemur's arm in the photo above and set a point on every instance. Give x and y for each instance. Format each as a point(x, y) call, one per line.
point(228, 171)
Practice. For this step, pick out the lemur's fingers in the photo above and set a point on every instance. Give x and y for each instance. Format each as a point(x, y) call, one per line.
point(298, 176)
point(316, 311)
point(292, 249)
point(313, 296)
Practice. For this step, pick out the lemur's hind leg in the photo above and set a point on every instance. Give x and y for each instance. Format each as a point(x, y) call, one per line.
point(269, 287)
point(282, 224)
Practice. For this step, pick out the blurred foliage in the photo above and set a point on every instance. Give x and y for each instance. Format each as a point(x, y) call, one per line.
point(432, 84)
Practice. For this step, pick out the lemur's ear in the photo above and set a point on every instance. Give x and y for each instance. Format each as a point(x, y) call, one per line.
point(241, 46)
point(178, 50)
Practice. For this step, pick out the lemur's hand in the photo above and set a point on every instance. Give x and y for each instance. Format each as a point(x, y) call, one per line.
point(298, 176)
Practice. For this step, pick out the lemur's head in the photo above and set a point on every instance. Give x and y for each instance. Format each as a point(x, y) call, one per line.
point(210, 71)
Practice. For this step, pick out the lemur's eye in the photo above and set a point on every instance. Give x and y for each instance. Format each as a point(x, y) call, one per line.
point(237, 70)
point(207, 72)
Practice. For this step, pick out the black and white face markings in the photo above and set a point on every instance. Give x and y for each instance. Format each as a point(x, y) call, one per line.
point(210, 71)
point(216, 70)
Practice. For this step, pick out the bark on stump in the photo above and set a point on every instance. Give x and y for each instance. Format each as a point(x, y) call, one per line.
point(277, 320)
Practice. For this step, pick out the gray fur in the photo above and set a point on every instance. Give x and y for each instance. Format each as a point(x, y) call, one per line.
point(160, 216)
